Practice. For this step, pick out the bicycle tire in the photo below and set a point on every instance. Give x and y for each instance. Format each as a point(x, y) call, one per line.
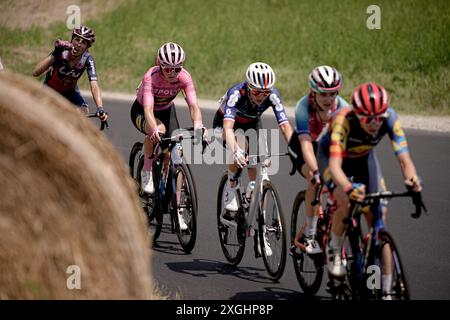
point(399, 289)
point(232, 240)
point(308, 268)
point(187, 237)
point(150, 204)
point(132, 160)
point(272, 228)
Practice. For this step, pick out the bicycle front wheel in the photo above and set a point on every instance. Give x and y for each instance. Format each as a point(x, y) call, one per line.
point(272, 237)
point(150, 204)
point(308, 268)
point(185, 207)
point(231, 227)
point(390, 264)
point(133, 160)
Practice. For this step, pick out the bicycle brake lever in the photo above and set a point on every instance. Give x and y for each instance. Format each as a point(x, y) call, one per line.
point(417, 200)
point(293, 170)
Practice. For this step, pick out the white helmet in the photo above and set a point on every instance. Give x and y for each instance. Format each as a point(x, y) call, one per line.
point(260, 76)
point(170, 54)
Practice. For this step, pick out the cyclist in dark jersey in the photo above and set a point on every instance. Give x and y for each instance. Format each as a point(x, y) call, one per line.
point(312, 114)
point(241, 108)
point(66, 64)
point(347, 150)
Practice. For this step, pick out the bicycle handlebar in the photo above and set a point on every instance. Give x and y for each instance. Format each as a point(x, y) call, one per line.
point(104, 124)
point(180, 137)
point(416, 198)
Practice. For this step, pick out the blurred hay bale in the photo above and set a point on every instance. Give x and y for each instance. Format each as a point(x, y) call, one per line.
point(65, 199)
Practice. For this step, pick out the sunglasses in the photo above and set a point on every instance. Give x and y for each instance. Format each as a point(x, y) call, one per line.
point(168, 69)
point(369, 119)
point(259, 92)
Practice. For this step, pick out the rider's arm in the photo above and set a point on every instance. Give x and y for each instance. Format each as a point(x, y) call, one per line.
point(400, 146)
point(43, 65)
point(196, 115)
point(287, 131)
point(339, 133)
point(228, 134)
point(338, 175)
point(96, 93)
point(308, 151)
point(407, 166)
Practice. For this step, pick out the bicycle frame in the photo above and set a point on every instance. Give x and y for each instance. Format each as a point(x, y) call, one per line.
point(367, 255)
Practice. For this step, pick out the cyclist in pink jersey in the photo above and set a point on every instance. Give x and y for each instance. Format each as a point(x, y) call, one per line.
point(153, 111)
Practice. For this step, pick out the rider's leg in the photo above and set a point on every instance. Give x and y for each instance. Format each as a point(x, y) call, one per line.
point(148, 145)
point(312, 212)
point(146, 174)
point(334, 247)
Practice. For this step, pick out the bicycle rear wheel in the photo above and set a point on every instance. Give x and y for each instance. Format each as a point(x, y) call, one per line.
point(184, 200)
point(231, 229)
point(308, 268)
point(390, 263)
point(272, 236)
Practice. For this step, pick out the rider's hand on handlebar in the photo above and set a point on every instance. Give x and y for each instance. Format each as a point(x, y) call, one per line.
point(154, 135)
point(316, 180)
point(199, 126)
point(101, 114)
point(414, 184)
point(357, 192)
point(239, 158)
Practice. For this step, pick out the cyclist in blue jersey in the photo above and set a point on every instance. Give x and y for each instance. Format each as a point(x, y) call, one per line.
point(312, 114)
point(241, 108)
point(65, 66)
point(347, 150)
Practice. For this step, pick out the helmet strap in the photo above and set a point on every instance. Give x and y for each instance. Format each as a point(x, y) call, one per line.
point(312, 100)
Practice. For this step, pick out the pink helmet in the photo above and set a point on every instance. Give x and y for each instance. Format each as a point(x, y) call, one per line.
point(170, 54)
point(86, 33)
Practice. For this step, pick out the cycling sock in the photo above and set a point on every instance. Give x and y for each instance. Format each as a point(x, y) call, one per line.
point(148, 163)
point(386, 280)
point(336, 241)
point(311, 226)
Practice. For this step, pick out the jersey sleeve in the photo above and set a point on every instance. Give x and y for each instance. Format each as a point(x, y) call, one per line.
point(278, 107)
point(396, 133)
point(147, 96)
point(340, 129)
point(91, 71)
point(229, 109)
point(188, 88)
point(302, 117)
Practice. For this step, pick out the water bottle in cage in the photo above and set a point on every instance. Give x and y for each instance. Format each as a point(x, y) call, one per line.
point(177, 154)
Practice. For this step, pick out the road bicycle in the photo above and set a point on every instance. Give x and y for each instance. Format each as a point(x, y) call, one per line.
point(309, 268)
point(175, 191)
point(372, 253)
point(363, 253)
point(263, 208)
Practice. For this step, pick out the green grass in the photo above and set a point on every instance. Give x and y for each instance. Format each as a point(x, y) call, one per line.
point(409, 55)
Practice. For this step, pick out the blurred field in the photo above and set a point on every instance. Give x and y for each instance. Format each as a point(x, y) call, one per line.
point(409, 55)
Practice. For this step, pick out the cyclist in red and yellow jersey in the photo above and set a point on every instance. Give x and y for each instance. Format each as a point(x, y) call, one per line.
point(347, 150)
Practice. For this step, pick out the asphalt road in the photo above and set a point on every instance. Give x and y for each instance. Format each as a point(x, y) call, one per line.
point(204, 274)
